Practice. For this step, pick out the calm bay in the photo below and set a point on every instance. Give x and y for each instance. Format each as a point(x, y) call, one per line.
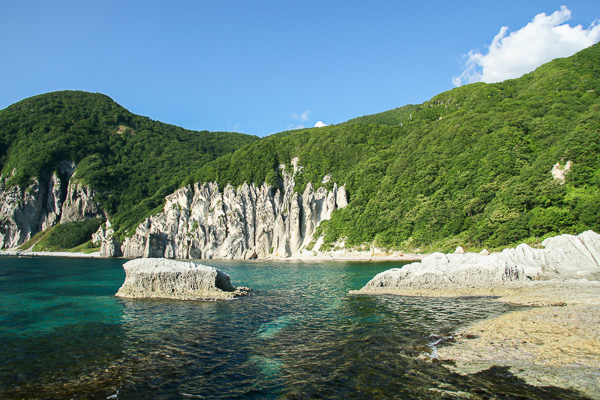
point(299, 334)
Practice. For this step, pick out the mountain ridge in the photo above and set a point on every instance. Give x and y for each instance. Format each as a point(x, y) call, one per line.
point(471, 166)
point(131, 162)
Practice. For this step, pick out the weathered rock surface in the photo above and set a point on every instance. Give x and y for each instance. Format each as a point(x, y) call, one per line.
point(563, 257)
point(170, 279)
point(203, 222)
point(104, 238)
point(47, 201)
point(554, 344)
point(444, 271)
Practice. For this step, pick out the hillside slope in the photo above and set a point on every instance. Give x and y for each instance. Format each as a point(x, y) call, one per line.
point(471, 166)
point(480, 165)
point(127, 163)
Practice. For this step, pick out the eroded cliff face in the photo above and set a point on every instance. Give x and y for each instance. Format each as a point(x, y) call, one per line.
point(203, 222)
point(46, 202)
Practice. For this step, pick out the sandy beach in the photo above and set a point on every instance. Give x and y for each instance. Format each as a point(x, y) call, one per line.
point(334, 256)
point(21, 253)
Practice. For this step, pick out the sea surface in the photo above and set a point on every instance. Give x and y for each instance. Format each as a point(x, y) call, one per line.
point(298, 335)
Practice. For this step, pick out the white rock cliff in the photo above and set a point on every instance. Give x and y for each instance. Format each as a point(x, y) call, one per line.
point(44, 203)
point(203, 222)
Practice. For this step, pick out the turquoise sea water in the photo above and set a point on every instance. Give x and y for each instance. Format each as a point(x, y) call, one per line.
point(297, 335)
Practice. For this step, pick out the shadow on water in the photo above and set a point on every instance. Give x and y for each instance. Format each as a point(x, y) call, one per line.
point(297, 335)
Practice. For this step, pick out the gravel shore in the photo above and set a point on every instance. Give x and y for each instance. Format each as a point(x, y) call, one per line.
point(553, 342)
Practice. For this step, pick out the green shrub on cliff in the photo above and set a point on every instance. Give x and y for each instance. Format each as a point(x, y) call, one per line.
point(67, 235)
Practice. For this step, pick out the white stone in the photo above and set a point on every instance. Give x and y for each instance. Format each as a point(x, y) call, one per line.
point(161, 278)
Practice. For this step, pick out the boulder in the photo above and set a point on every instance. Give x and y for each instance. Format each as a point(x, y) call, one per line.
point(170, 279)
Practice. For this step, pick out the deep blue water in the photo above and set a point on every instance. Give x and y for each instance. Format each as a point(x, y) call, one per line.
point(297, 335)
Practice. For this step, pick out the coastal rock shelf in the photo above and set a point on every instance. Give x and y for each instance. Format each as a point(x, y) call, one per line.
point(553, 344)
point(169, 279)
point(563, 257)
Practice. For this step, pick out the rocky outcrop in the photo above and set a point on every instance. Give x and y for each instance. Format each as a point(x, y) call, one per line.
point(80, 204)
point(44, 203)
point(104, 238)
point(563, 257)
point(444, 271)
point(203, 222)
point(161, 278)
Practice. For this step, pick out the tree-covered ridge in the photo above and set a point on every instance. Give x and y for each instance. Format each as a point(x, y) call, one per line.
point(133, 161)
point(470, 166)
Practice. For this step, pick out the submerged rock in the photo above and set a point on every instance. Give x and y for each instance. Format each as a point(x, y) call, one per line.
point(169, 279)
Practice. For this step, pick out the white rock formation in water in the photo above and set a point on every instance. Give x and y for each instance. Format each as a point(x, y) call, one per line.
point(205, 222)
point(170, 279)
point(563, 257)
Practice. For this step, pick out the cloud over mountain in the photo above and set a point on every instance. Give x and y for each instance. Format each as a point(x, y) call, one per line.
point(511, 55)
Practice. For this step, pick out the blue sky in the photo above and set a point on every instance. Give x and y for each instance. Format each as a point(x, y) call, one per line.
point(261, 67)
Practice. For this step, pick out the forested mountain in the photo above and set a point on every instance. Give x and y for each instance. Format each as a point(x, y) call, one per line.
point(131, 161)
point(471, 166)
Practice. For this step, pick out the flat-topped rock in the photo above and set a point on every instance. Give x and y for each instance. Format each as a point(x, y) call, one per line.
point(182, 280)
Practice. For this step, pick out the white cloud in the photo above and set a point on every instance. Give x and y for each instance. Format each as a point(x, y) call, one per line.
point(302, 117)
point(512, 55)
point(320, 124)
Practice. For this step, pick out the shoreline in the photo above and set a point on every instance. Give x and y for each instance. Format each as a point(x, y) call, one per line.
point(21, 253)
point(553, 341)
point(378, 257)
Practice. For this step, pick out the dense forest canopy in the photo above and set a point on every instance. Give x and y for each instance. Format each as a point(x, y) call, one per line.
point(133, 161)
point(470, 166)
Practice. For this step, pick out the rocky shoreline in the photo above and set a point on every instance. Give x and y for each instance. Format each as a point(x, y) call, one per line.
point(554, 343)
point(26, 253)
point(335, 256)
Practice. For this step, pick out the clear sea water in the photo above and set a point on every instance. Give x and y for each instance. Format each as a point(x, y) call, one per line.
point(299, 335)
